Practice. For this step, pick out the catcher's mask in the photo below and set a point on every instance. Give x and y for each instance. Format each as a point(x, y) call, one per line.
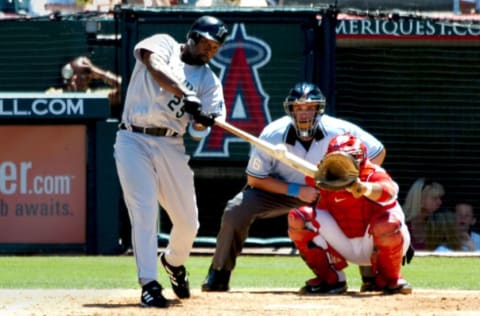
point(305, 120)
point(349, 144)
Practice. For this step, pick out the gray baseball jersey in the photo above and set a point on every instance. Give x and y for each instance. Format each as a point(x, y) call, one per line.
point(149, 105)
point(261, 165)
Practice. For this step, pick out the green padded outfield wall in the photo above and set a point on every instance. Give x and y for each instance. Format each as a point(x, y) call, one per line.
point(33, 51)
point(417, 89)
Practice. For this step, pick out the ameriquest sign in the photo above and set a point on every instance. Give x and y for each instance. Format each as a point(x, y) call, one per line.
point(407, 27)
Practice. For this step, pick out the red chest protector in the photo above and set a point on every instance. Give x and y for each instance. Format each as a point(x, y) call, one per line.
point(354, 215)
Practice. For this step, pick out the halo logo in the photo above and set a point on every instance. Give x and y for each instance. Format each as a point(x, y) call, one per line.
point(247, 104)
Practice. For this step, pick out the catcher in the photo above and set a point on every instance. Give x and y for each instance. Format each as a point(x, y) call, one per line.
point(356, 220)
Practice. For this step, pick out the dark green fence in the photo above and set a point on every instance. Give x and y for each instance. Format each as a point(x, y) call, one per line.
point(417, 92)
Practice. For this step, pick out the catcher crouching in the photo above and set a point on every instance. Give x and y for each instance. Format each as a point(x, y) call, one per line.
point(356, 220)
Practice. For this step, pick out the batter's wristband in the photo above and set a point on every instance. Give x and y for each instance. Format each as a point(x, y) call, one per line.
point(198, 134)
point(293, 189)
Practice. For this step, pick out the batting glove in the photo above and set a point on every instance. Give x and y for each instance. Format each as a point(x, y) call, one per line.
point(192, 104)
point(205, 119)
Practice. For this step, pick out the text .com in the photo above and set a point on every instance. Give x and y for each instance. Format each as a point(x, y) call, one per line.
point(16, 178)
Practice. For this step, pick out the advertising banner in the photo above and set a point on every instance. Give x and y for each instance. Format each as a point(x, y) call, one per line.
point(31, 106)
point(43, 184)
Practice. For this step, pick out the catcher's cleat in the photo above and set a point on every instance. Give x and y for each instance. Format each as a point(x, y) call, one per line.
point(369, 285)
point(152, 295)
point(324, 288)
point(216, 281)
point(178, 278)
point(402, 287)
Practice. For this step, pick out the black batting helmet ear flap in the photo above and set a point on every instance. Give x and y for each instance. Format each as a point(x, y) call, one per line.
point(193, 38)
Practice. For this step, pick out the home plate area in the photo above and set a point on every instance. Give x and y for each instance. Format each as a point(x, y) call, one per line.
point(242, 302)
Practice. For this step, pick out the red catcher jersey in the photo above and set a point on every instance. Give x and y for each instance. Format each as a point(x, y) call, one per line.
point(354, 215)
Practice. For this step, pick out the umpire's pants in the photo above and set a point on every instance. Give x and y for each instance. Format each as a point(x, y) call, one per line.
point(240, 213)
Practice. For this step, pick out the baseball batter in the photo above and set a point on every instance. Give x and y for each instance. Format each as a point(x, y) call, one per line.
point(273, 188)
point(363, 224)
point(171, 89)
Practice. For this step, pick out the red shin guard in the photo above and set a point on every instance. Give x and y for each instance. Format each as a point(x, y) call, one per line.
point(387, 257)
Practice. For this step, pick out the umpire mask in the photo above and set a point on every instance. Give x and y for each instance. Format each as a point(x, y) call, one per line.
point(304, 103)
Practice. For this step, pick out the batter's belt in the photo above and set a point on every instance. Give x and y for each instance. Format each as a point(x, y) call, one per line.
point(153, 131)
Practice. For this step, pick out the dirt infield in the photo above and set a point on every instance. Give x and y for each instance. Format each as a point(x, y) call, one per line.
point(238, 302)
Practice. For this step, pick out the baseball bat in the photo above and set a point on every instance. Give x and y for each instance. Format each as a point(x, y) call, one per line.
point(278, 151)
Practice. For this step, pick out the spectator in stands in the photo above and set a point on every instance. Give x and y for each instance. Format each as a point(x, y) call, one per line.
point(423, 199)
point(37, 8)
point(160, 3)
point(465, 218)
point(80, 74)
point(101, 5)
point(153, 3)
point(466, 6)
point(231, 3)
point(63, 6)
point(441, 232)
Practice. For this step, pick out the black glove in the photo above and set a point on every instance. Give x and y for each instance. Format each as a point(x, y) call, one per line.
point(408, 256)
point(205, 119)
point(192, 104)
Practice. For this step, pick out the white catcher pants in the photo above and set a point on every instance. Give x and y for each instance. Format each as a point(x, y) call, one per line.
point(356, 250)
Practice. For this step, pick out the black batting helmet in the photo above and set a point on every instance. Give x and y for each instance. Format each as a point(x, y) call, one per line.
point(209, 27)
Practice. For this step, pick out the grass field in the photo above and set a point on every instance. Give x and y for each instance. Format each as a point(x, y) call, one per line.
point(105, 272)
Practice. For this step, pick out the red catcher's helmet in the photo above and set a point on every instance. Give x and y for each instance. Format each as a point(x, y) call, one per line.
point(349, 144)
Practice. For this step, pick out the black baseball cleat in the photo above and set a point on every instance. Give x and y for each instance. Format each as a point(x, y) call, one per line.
point(324, 288)
point(216, 281)
point(178, 278)
point(369, 285)
point(152, 295)
point(402, 287)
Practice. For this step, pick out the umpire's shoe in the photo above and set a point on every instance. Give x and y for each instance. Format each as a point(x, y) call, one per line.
point(216, 281)
point(152, 295)
point(178, 278)
point(369, 285)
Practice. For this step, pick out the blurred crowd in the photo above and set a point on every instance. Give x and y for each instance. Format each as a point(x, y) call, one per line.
point(434, 227)
point(33, 8)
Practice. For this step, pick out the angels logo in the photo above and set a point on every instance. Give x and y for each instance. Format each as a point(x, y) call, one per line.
point(247, 104)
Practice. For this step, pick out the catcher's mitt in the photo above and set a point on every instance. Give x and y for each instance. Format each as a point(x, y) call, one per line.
point(336, 171)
